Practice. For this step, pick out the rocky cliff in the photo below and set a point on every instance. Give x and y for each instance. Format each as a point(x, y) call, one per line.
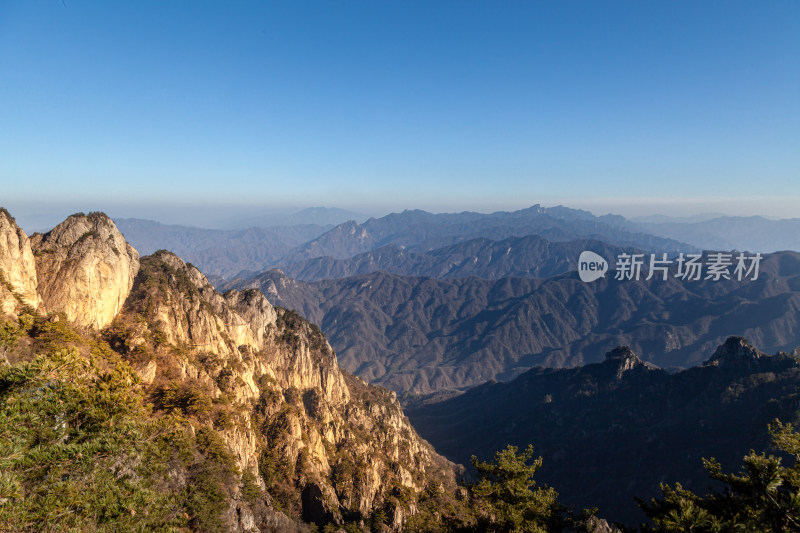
point(85, 269)
point(320, 445)
point(333, 446)
point(17, 267)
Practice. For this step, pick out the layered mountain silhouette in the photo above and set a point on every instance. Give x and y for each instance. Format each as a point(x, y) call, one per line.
point(420, 230)
point(530, 256)
point(612, 431)
point(131, 384)
point(422, 335)
point(235, 253)
point(219, 252)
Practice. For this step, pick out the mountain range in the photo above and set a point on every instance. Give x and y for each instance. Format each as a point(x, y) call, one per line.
point(292, 242)
point(420, 230)
point(422, 335)
point(135, 395)
point(530, 256)
point(237, 253)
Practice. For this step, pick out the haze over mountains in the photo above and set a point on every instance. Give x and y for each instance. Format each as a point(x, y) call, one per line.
point(291, 241)
point(228, 253)
point(424, 303)
point(219, 252)
point(728, 233)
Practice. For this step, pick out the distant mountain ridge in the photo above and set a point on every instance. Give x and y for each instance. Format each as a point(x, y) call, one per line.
point(420, 230)
point(756, 234)
point(530, 256)
point(423, 335)
point(214, 251)
point(227, 253)
point(310, 234)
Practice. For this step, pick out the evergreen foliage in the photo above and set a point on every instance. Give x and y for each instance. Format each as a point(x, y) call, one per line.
point(80, 450)
point(508, 497)
point(763, 496)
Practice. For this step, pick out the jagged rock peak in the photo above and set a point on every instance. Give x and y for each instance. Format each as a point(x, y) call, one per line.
point(352, 227)
point(18, 280)
point(191, 311)
point(197, 278)
point(627, 360)
point(734, 351)
point(85, 269)
point(622, 352)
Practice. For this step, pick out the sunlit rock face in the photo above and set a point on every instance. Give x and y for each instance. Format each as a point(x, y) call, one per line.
point(263, 378)
point(85, 269)
point(17, 267)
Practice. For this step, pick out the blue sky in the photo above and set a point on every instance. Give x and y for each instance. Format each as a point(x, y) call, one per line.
point(632, 107)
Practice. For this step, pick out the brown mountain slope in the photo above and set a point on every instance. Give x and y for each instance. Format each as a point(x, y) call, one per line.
point(422, 334)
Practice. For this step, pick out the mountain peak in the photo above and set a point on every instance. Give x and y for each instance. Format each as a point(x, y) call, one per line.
point(622, 352)
point(734, 351)
point(626, 359)
point(85, 268)
point(76, 227)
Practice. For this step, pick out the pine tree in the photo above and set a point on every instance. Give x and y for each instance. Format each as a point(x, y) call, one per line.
point(507, 496)
point(764, 496)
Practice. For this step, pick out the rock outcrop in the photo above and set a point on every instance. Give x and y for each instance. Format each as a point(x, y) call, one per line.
point(323, 445)
point(338, 447)
point(85, 269)
point(17, 267)
point(737, 352)
point(626, 360)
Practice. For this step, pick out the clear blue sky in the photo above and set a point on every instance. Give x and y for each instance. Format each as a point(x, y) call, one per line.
point(622, 106)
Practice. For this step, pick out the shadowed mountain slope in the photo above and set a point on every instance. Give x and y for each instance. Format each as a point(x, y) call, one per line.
point(615, 430)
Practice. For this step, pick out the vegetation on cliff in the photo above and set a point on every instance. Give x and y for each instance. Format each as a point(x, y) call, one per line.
point(191, 410)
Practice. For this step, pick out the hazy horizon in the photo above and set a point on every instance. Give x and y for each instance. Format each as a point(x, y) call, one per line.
point(41, 218)
point(192, 113)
